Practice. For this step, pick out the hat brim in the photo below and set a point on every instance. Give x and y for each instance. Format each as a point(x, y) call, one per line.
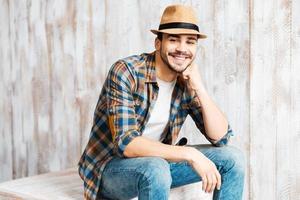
point(179, 31)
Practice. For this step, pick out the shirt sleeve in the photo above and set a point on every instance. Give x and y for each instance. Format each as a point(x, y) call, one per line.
point(121, 112)
point(195, 111)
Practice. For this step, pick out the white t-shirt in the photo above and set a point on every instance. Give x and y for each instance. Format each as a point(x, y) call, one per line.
point(161, 111)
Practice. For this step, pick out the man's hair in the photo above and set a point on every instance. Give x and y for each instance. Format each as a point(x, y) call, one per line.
point(159, 36)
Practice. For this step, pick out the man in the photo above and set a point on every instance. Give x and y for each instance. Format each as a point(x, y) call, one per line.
point(142, 106)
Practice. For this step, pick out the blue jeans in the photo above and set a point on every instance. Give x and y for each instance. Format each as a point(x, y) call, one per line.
point(150, 178)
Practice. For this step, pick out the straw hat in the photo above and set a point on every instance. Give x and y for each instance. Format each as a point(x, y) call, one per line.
point(179, 19)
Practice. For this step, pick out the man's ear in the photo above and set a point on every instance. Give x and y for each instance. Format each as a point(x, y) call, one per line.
point(157, 44)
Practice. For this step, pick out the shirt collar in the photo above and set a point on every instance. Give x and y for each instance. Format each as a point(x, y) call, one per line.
point(151, 71)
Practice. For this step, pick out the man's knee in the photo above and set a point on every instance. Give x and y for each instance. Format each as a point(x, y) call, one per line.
point(234, 159)
point(155, 172)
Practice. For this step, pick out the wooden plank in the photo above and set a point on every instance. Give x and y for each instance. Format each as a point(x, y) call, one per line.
point(282, 97)
point(19, 57)
point(294, 134)
point(262, 118)
point(262, 111)
point(271, 108)
point(56, 185)
point(9, 196)
point(33, 84)
point(6, 157)
point(60, 40)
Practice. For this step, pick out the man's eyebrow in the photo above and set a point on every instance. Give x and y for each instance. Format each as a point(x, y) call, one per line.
point(173, 35)
point(192, 38)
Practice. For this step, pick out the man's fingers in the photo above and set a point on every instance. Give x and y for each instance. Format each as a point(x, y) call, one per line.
point(214, 183)
point(204, 182)
point(219, 180)
point(209, 183)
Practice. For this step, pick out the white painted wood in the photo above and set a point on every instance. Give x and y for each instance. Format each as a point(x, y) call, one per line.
point(273, 99)
point(55, 55)
point(6, 157)
point(294, 135)
point(262, 110)
point(55, 185)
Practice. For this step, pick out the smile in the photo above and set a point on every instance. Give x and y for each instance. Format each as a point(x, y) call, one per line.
point(179, 57)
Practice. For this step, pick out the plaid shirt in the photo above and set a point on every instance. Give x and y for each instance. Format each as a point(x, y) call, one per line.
point(123, 109)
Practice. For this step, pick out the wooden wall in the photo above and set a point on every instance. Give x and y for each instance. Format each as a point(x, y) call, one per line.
point(55, 55)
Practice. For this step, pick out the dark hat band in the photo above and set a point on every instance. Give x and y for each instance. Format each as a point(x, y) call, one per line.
point(179, 25)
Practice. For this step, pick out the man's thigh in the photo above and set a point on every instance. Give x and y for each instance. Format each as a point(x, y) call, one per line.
point(122, 177)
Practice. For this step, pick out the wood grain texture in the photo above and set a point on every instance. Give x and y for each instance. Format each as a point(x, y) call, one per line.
point(263, 111)
point(55, 55)
point(6, 157)
point(294, 136)
point(56, 185)
point(272, 102)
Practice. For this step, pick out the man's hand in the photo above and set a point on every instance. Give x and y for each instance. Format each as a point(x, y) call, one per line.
point(206, 169)
point(193, 77)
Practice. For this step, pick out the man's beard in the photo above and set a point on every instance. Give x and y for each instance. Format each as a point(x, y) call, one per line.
point(166, 62)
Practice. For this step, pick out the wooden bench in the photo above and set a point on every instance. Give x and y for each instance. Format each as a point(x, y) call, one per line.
point(67, 185)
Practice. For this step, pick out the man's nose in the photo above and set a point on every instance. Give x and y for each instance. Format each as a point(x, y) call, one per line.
point(181, 46)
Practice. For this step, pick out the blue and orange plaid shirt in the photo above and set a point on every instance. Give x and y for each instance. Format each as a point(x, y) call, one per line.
point(123, 109)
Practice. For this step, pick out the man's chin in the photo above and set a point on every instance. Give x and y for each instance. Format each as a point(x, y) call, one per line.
point(179, 68)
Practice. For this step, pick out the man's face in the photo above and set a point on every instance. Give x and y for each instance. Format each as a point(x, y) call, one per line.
point(177, 51)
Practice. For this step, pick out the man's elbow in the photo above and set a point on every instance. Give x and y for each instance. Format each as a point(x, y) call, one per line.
point(126, 146)
point(128, 153)
point(130, 149)
point(224, 140)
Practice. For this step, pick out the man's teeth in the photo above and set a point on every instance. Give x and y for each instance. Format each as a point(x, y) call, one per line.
point(180, 57)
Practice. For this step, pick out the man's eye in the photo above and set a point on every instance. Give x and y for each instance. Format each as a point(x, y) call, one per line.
point(172, 39)
point(191, 42)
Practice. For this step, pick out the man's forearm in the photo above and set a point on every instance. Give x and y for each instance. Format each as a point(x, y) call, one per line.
point(142, 147)
point(215, 122)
